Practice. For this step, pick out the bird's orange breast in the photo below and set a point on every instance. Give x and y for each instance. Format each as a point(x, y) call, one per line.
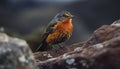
point(67, 26)
point(61, 33)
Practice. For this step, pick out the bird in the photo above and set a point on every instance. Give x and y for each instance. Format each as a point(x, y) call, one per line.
point(57, 31)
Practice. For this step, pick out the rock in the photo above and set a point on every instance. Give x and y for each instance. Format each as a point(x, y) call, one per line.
point(100, 51)
point(116, 23)
point(15, 54)
point(104, 33)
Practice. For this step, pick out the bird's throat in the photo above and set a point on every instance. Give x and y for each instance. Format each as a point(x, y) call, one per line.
point(68, 20)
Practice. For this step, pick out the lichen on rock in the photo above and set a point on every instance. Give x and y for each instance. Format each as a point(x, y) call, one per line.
point(15, 53)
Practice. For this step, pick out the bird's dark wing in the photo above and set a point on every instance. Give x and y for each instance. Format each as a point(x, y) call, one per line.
point(48, 30)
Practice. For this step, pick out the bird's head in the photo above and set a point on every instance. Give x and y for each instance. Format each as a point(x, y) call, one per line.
point(63, 16)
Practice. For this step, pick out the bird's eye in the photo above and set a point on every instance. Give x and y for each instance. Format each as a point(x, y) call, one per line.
point(65, 15)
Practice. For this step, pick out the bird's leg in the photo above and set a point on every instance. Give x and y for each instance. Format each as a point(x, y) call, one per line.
point(61, 45)
point(57, 47)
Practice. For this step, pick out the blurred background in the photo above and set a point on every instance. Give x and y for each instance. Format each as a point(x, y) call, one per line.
point(25, 16)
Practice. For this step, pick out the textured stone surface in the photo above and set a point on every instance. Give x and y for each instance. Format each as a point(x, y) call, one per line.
point(15, 54)
point(100, 51)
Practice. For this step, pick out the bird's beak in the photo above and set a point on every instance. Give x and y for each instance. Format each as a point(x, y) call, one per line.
point(71, 16)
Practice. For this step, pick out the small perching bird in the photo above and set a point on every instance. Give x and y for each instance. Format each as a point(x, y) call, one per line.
point(58, 30)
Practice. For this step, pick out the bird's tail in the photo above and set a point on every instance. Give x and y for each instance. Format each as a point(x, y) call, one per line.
point(42, 47)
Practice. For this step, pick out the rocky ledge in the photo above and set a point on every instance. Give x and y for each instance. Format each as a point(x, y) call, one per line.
point(100, 51)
